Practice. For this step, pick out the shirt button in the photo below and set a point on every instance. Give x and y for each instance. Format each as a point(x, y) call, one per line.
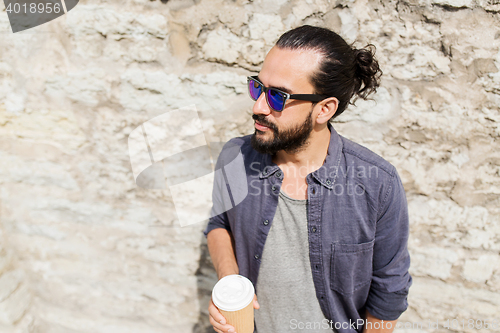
point(266, 222)
point(313, 229)
point(278, 174)
point(256, 256)
point(314, 190)
point(317, 266)
point(273, 188)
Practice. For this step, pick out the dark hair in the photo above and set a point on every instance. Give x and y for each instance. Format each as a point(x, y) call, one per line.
point(344, 70)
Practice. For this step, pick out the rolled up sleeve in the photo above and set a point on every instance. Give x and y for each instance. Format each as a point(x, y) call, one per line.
point(220, 199)
point(391, 280)
point(219, 221)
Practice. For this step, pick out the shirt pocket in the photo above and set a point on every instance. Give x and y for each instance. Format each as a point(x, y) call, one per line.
point(351, 266)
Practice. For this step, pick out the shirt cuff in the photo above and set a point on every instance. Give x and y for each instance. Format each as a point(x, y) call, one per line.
point(215, 223)
point(388, 306)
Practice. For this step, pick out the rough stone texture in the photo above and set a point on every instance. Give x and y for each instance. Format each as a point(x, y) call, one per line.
point(85, 250)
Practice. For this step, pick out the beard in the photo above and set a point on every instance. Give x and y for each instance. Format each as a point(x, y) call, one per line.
point(291, 140)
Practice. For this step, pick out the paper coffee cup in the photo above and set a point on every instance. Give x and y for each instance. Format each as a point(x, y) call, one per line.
point(233, 296)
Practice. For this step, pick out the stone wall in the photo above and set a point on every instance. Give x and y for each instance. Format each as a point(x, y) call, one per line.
point(83, 249)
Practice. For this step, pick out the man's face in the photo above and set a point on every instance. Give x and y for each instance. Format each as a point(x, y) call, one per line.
point(290, 129)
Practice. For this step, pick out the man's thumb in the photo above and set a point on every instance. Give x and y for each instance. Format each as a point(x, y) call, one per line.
point(256, 303)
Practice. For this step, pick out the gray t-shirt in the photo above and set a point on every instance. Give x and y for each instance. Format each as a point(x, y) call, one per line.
point(285, 289)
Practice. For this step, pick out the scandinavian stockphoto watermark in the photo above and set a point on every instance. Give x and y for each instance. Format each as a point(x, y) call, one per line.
point(343, 181)
point(451, 324)
point(329, 325)
point(171, 151)
point(26, 14)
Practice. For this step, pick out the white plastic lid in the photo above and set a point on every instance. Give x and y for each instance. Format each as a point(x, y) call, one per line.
point(233, 293)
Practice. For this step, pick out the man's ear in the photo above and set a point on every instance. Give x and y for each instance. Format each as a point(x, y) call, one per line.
point(328, 108)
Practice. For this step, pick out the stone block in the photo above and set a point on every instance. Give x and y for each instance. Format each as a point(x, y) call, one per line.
point(480, 270)
point(9, 281)
point(14, 307)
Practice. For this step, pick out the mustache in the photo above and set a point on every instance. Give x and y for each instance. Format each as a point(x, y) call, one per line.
point(262, 120)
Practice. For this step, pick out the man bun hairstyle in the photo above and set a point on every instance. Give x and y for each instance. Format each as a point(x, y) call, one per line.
point(344, 71)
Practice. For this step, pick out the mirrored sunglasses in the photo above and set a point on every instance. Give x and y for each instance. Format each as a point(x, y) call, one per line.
point(276, 98)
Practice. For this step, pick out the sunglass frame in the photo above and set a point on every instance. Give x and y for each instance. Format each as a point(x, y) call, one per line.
point(301, 97)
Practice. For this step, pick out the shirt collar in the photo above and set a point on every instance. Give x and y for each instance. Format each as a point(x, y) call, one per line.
point(326, 174)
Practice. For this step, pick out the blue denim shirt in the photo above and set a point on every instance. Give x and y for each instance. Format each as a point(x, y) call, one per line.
point(357, 220)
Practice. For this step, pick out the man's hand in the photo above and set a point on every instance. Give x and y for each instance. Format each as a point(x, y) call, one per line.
point(221, 247)
point(219, 322)
point(217, 319)
point(375, 325)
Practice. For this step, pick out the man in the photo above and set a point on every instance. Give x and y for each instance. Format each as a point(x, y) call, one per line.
point(323, 231)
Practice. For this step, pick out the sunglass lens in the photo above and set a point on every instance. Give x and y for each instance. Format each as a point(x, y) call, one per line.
point(254, 88)
point(275, 99)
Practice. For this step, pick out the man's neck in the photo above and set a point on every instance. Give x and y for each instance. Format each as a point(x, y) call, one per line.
point(311, 157)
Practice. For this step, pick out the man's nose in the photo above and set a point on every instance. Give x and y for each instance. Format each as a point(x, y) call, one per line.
point(260, 106)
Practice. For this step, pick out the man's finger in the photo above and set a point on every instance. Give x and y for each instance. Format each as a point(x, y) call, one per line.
point(221, 328)
point(215, 324)
point(215, 313)
point(256, 304)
